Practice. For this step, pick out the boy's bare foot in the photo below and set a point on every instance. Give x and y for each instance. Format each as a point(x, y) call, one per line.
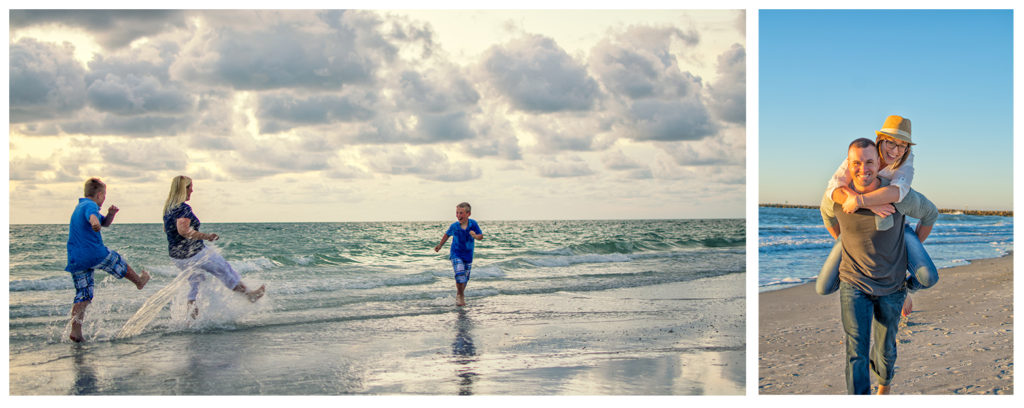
point(460, 300)
point(143, 278)
point(883, 389)
point(76, 332)
point(256, 294)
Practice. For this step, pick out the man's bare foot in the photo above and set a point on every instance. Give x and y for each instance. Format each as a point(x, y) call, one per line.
point(143, 278)
point(883, 389)
point(256, 294)
point(460, 300)
point(908, 306)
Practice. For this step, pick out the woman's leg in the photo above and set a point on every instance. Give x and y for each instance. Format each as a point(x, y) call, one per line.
point(828, 277)
point(923, 273)
point(217, 266)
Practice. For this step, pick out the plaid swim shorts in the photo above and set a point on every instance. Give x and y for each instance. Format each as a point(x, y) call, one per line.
point(113, 264)
point(462, 270)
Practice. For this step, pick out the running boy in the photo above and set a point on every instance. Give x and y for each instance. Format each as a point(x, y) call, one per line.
point(464, 233)
point(86, 251)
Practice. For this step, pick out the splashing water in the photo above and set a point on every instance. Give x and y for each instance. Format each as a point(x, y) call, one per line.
point(149, 310)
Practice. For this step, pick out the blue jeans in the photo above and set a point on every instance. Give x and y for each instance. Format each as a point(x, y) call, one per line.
point(866, 317)
point(923, 273)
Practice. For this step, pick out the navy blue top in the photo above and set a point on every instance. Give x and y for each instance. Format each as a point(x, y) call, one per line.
point(462, 242)
point(85, 246)
point(178, 246)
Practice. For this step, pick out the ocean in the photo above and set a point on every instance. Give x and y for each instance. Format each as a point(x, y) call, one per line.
point(554, 308)
point(793, 243)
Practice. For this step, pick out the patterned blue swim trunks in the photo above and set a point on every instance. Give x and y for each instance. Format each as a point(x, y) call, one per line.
point(113, 264)
point(462, 270)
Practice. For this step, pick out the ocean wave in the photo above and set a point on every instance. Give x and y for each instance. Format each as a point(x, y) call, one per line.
point(54, 283)
point(253, 265)
point(562, 261)
point(786, 281)
point(779, 244)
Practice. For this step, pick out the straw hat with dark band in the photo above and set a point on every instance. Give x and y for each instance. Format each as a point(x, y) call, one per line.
point(896, 127)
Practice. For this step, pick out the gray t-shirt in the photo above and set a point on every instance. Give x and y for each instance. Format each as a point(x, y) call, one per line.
point(874, 261)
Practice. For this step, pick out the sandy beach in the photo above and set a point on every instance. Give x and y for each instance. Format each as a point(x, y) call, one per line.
point(958, 340)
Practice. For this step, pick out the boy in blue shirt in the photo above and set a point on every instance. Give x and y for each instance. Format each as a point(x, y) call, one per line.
point(86, 251)
point(464, 232)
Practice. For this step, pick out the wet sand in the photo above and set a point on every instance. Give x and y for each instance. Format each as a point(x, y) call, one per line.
point(958, 340)
point(668, 339)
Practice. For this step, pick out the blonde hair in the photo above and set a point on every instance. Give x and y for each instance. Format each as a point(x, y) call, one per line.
point(93, 186)
point(178, 194)
point(902, 159)
point(466, 206)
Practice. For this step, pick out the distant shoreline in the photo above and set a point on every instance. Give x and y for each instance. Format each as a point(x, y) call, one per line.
point(941, 210)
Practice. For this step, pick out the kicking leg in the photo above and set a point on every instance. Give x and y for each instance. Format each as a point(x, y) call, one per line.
point(139, 280)
point(253, 295)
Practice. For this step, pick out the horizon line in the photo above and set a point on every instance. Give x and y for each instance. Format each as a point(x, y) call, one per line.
point(444, 221)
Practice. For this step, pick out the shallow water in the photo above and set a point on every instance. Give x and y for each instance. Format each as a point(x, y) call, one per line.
point(793, 243)
point(368, 309)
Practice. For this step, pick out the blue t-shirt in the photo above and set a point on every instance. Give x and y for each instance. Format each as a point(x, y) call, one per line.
point(178, 246)
point(85, 246)
point(462, 242)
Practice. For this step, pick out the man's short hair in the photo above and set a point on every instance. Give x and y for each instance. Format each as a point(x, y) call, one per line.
point(861, 143)
point(466, 206)
point(93, 186)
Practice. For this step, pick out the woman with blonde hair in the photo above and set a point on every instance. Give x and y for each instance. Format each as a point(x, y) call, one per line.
point(893, 142)
point(185, 245)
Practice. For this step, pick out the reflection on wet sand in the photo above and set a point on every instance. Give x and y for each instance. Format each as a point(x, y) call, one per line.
point(85, 374)
point(464, 353)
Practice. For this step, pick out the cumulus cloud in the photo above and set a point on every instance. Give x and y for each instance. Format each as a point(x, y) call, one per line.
point(568, 132)
point(110, 28)
point(133, 95)
point(142, 156)
point(273, 92)
point(654, 99)
point(288, 54)
point(640, 174)
point(29, 168)
point(536, 75)
point(278, 155)
point(45, 81)
point(729, 92)
point(638, 64)
point(666, 120)
point(427, 163)
point(617, 160)
point(435, 91)
point(494, 138)
point(284, 111)
point(340, 169)
point(570, 166)
point(134, 126)
point(710, 152)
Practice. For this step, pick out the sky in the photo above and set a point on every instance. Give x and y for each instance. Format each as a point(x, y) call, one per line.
point(305, 116)
point(828, 77)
